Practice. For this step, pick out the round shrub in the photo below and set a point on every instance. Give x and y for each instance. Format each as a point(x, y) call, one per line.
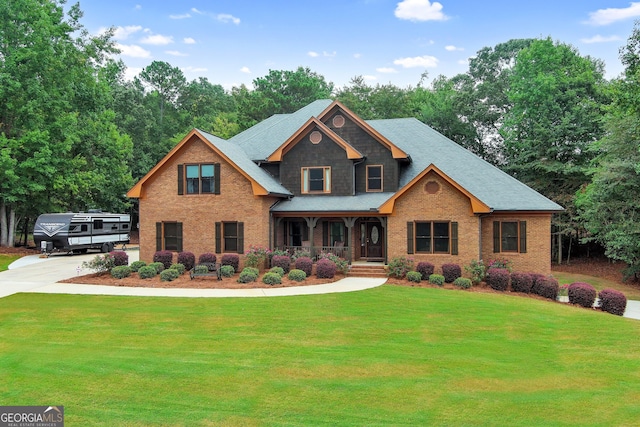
point(451, 272)
point(201, 269)
point(425, 269)
point(414, 276)
point(325, 269)
point(147, 272)
point(436, 279)
point(207, 257)
point(135, 265)
point(297, 275)
point(169, 274)
point(180, 268)
point(227, 271)
point(582, 294)
point(498, 279)
point(547, 287)
point(231, 259)
point(247, 275)
point(399, 267)
point(305, 264)
point(164, 257)
point(462, 283)
point(613, 301)
point(100, 264)
point(536, 278)
point(282, 261)
point(252, 270)
point(521, 282)
point(278, 270)
point(188, 259)
point(272, 278)
point(119, 258)
point(120, 271)
point(158, 266)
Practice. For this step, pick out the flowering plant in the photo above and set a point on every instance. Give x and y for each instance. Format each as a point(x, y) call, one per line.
point(256, 256)
point(501, 263)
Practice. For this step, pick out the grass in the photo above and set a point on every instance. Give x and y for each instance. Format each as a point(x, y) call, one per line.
point(630, 291)
point(386, 356)
point(6, 260)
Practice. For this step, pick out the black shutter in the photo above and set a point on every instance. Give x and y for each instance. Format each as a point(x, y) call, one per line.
point(523, 237)
point(454, 238)
point(216, 178)
point(496, 236)
point(158, 236)
point(179, 236)
point(409, 237)
point(241, 237)
point(218, 237)
point(180, 180)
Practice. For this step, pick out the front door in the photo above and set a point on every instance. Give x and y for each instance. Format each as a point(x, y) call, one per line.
point(371, 240)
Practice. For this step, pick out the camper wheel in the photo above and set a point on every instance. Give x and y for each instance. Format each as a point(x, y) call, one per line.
point(106, 247)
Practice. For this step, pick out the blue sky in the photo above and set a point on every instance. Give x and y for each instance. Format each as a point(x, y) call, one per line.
point(385, 41)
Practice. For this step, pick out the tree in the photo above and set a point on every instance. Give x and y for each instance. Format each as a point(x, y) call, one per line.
point(166, 81)
point(375, 102)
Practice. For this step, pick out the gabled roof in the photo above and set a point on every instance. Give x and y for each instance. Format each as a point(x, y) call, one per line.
point(361, 203)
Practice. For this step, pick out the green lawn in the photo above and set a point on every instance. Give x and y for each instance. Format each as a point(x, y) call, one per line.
point(5, 260)
point(630, 291)
point(387, 356)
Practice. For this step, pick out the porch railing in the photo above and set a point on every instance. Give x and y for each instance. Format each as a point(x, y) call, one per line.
point(315, 251)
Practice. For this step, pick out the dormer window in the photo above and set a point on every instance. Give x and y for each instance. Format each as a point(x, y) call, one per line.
point(316, 180)
point(374, 178)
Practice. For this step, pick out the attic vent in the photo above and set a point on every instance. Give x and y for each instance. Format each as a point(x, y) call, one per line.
point(315, 137)
point(431, 187)
point(338, 121)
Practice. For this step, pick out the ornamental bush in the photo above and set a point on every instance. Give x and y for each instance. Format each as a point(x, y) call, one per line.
point(164, 257)
point(399, 267)
point(414, 276)
point(342, 264)
point(227, 271)
point(477, 270)
point(169, 274)
point(297, 275)
point(180, 268)
point(119, 258)
point(521, 282)
point(256, 256)
point(613, 301)
point(282, 261)
point(536, 279)
point(436, 279)
point(272, 278)
point(100, 264)
point(305, 264)
point(135, 265)
point(158, 266)
point(201, 269)
point(325, 269)
point(582, 294)
point(120, 271)
point(451, 272)
point(498, 279)
point(147, 272)
point(207, 257)
point(425, 269)
point(232, 260)
point(188, 259)
point(547, 287)
point(248, 275)
point(462, 283)
point(278, 270)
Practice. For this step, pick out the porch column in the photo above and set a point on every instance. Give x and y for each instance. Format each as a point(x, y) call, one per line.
point(312, 221)
point(383, 224)
point(350, 222)
point(274, 235)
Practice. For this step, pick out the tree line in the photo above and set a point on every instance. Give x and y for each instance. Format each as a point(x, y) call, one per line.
point(75, 134)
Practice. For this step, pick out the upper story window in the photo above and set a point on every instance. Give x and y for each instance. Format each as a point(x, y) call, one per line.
point(374, 178)
point(316, 180)
point(201, 178)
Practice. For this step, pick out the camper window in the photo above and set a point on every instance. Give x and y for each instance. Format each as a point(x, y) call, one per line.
point(97, 224)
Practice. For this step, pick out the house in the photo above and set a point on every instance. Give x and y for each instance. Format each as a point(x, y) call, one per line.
point(323, 178)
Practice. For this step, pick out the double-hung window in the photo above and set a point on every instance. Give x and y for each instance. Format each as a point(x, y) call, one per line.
point(432, 237)
point(169, 236)
point(510, 236)
point(229, 237)
point(203, 178)
point(316, 180)
point(374, 178)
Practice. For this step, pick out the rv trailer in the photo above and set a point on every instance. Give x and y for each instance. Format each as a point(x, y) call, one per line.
point(78, 232)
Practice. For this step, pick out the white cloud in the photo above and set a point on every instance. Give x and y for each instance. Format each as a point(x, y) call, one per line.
point(188, 40)
point(175, 53)
point(425, 61)
point(386, 70)
point(122, 33)
point(313, 54)
point(131, 72)
point(157, 40)
point(370, 78)
point(357, 55)
point(226, 18)
point(600, 39)
point(329, 54)
point(133, 51)
point(452, 48)
point(611, 15)
point(245, 70)
point(194, 69)
point(420, 10)
point(194, 10)
point(183, 16)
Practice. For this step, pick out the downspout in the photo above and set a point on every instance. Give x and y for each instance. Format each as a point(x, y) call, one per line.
point(271, 229)
point(353, 190)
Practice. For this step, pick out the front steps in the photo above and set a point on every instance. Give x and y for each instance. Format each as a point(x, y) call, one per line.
point(367, 269)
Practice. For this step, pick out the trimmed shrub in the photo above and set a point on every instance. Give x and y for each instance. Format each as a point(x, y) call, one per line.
point(342, 264)
point(297, 275)
point(278, 270)
point(227, 271)
point(119, 258)
point(248, 275)
point(207, 257)
point(158, 266)
point(180, 268)
point(536, 278)
point(169, 274)
point(477, 270)
point(425, 269)
point(100, 264)
point(252, 270)
point(135, 265)
point(165, 257)
point(147, 272)
point(231, 259)
point(305, 264)
point(582, 294)
point(272, 278)
point(498, 279)
point(547, 287)
point(201, 269)
point(462, 283)
point(521, 282)
point(451, 272)
point(120, 271)
point(188, 259)
point(414, 276)
point(436, 279)
point(325, 269)
point(613, 301)
point(399, 267)
point(282, 261)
